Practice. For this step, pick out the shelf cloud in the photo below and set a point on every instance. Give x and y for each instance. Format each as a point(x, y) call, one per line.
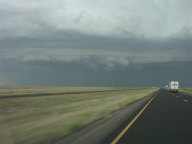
point(103, 35)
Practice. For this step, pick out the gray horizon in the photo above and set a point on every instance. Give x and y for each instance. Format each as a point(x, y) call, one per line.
point(95, 43)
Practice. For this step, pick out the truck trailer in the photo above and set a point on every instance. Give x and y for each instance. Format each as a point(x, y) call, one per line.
point(173, 86)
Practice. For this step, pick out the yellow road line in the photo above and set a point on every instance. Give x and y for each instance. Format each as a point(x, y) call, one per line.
point(130, 124)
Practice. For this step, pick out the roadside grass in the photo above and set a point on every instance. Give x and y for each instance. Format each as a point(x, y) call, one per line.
point(37, 120)
point(188, 90)
point(75, 126)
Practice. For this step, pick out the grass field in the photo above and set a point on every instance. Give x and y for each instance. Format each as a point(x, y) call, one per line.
point(34, 120)
point(188, 90)
point(6, 91)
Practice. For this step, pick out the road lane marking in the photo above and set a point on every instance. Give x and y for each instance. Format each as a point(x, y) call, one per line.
point(131, 123)
point(185, 100)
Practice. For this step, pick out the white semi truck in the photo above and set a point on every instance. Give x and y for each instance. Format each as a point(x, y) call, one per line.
point(174, 86)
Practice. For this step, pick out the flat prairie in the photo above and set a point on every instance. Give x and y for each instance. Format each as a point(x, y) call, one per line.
point(188, 90)
point(34, 120)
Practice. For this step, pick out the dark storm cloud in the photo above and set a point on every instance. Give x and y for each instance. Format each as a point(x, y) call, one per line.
point(76, 74)
point(73, 46)
point(83, 35)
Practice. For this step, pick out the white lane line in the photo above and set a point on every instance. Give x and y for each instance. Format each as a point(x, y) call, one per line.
point(185, 100)
point(177, 96)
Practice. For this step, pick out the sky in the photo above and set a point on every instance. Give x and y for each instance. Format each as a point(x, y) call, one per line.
point(95, 43)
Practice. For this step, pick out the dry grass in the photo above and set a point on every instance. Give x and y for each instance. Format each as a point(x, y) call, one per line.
point(188, 90)
point(36, 90)
point(35, 120)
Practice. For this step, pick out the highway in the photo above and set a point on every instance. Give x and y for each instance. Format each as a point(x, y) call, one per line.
point(165, 119)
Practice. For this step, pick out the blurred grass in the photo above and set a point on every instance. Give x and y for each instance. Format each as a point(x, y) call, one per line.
point(188, 90)
point(40, 120)
point(38, 90)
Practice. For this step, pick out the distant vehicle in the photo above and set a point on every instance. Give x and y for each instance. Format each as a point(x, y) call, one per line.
point(174, 86)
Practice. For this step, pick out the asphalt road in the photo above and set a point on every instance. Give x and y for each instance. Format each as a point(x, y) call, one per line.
point(166, 120)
